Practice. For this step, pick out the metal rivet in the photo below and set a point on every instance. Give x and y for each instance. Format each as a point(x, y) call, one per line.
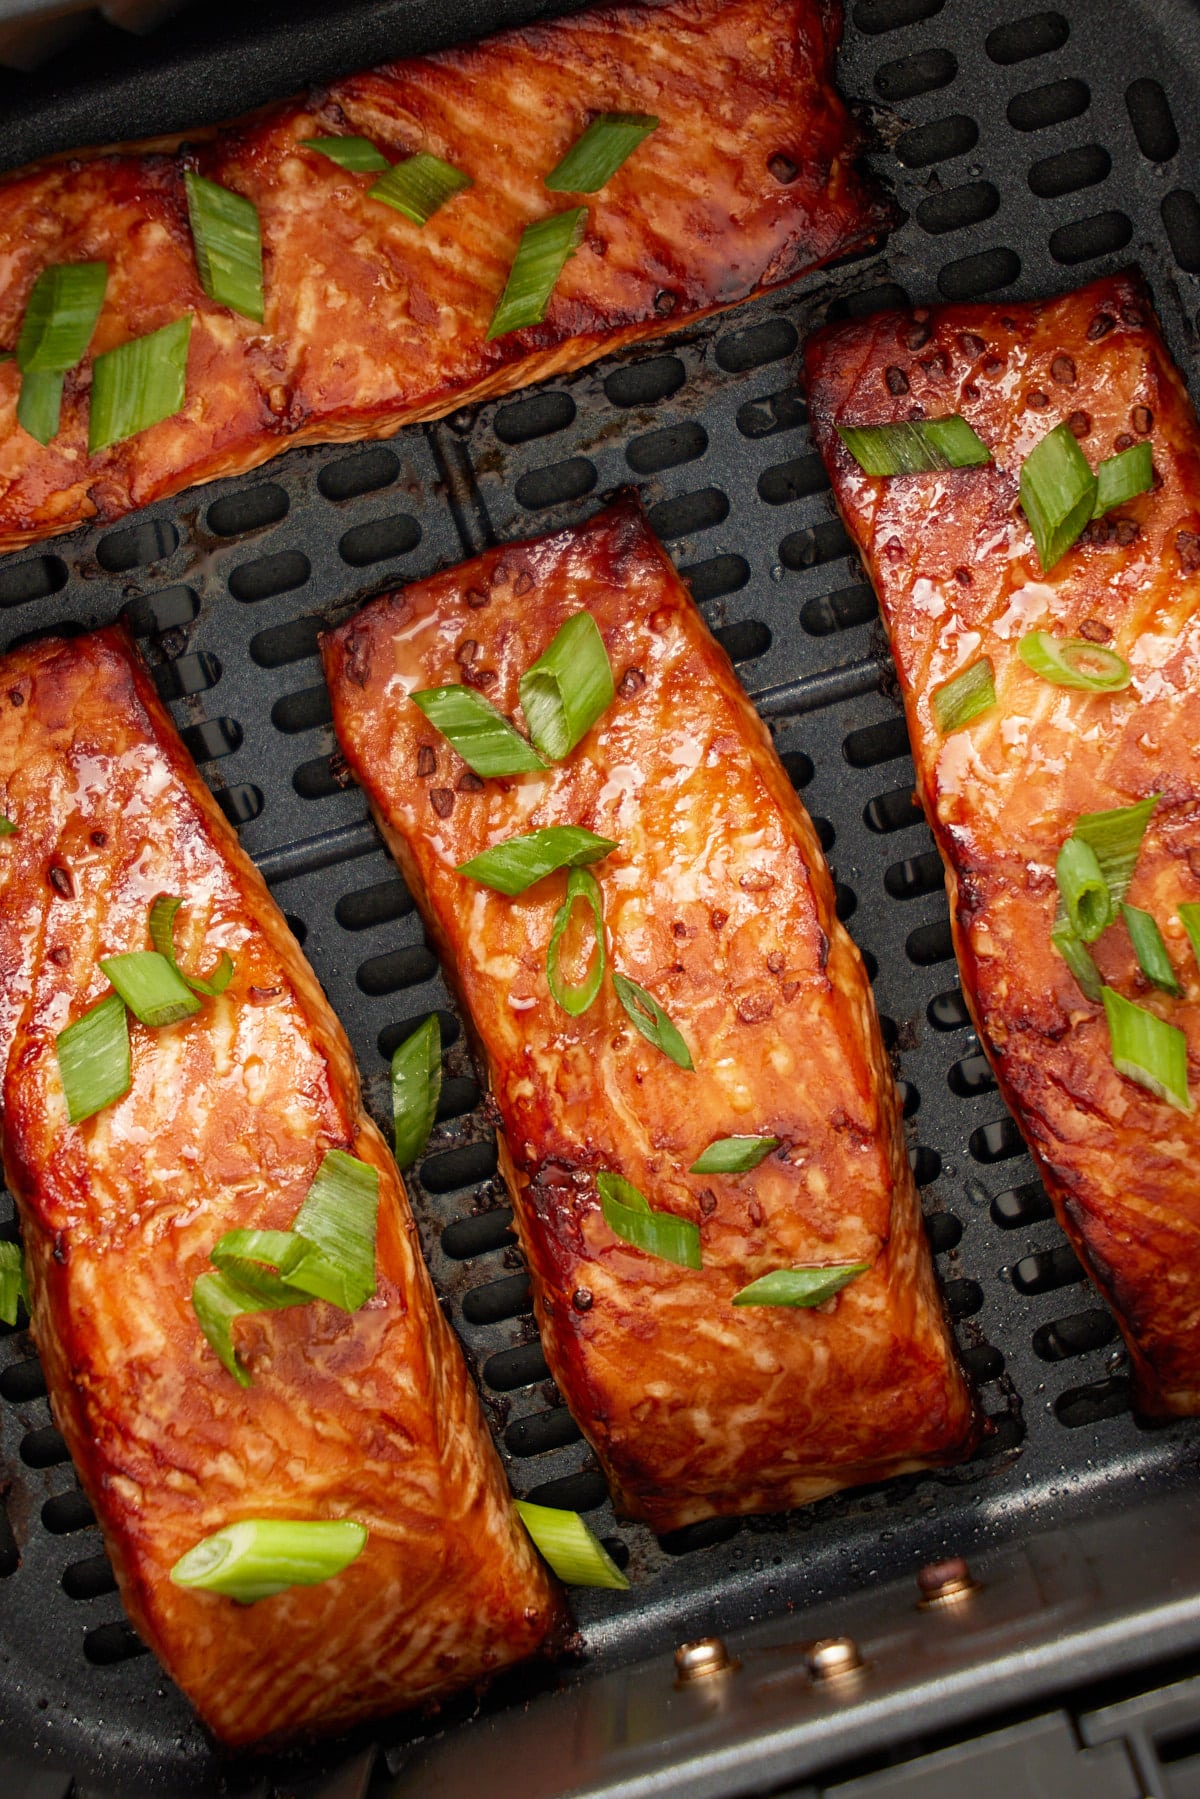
point(707, 1655)
point(945, 1583)
point(833, 1656)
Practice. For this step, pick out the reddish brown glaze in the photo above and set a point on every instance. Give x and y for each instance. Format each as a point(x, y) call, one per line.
point(718, 902)
point(958, 577)
point(372, 323)
point(369, 1416)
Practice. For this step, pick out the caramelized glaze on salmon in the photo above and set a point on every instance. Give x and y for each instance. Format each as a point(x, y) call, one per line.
point(958, 577)
point(719, 903)
point(368, 1415)
point(373, 323)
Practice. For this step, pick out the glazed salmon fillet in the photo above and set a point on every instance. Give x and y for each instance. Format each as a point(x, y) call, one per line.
point(958, 578)
point(718, 903)
point(371, 322)
point(367, 1415)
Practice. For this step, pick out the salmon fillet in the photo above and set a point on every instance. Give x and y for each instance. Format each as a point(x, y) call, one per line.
point(958, 577)
point(368, 1415)
point(372, 323)
point(718, 902)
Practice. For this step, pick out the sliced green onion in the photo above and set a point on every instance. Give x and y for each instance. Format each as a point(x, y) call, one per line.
point(914, 448)
point(338, 1223)
point(1074, 662)
point(93, 1058)
point(627, 1214)
point(418, 186)
point(13, 1287)
point(734, 1155)
point(39, 404)
point(598, 152)
point(7, 828)
point(258, 1557)
point(227, 239)
point(482, 736)
point(568, 687)
point(519, 862)
point(1147, 1050)
point(1058, 494)
point(219, 1300)
point(575, 1000)
point(799, 1286)
point(60, 317)
point(162, 936)
point(1116, 836)
point(564, 1540)
point(155, 992)
point(1189, 918)
point(542, 255)
point(358, 154)
point(1083, 890)
point(254, 1258)
point(647, 1016)
point(1150, 950)
point(1079, 960)
point(139, 384)
point(970, 692)
point(1122, 477)
point(416, 1089)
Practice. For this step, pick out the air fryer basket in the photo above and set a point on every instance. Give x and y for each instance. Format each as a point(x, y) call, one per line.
point(1031, 153)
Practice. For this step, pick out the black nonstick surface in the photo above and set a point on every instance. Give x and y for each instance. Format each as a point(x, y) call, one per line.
point(1031, 152)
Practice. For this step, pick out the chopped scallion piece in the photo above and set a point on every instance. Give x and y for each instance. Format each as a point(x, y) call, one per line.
point(416, 1089)
point(358, 154)
point(1074, 662)
point(1150, 950)
point(338, 1222)
point(971, 691)
point(60, 317)
point(1079, 960)
point(1116, 837)
point(648, 1017)
point(419, 185)
point(598, 152)
point(568, 687)
point(1122, 477)
point(582, 886)
point(254, 1258)
point(627, 1214)
point(93, 1058)
point(917, 447)
point(482, 736)
point(162, 936)
point(139, 384)
point(542, 255)
point(734, 1155)
point(1058, 494)
point(576, 1556)
point(799, 1286)
point(7, 828)
point(228, 242)
point(519, 862)
point(1149, 1051)
point(258, 1557)
point(155, 992)
point(39, 404)
point(1083, 890)
point(219, 1300)
point(1189, 918)
point(13, 1287)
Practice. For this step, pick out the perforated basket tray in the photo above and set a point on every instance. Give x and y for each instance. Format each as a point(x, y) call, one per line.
point(1031, 154)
